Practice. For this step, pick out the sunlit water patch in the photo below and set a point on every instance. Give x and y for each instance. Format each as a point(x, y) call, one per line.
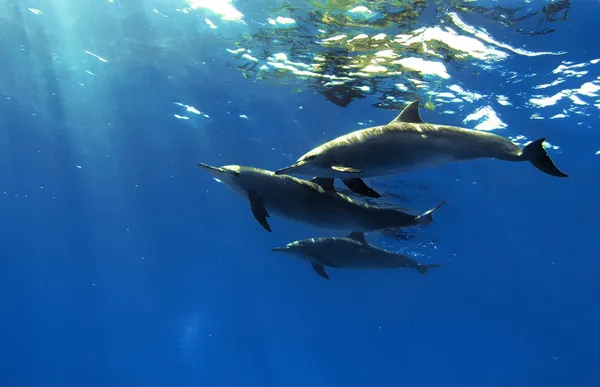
point(221, 8)
point(353, 50)
point(347, 51)
point(582, 98)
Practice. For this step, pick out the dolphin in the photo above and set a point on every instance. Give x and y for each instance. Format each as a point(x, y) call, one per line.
point(309, 202)
point(352, 252)
point(405, 144)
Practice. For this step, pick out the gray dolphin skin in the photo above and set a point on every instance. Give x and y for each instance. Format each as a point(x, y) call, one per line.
point(309, 202)
point(351, 252)
point(407, 144)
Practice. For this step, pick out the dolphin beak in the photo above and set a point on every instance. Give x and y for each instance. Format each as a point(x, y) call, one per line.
point(279, 249)
point(286, 169)
point(215, 171)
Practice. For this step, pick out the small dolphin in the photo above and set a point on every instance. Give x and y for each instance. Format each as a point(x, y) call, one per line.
point(352, 252)
point(406, 144)
point(309, 202)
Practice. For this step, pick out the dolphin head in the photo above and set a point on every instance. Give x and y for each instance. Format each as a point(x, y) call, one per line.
point(296, 248)
point(290, 248)
point(303, 249)
point(227, 174)
point(305, 165)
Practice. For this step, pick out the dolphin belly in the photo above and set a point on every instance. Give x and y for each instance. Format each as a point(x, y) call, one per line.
point(333, 211)
point(365, 257)
point(346, 254)
point(307, 203)
point(402, 165)
point(401, 148)
point(391, 166)
point(380, 159)
point(359, 262)
point(328, 217)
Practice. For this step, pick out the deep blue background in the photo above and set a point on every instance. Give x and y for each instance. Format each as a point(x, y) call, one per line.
point(123, 264)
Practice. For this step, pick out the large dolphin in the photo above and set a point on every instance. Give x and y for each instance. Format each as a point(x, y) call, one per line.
point(352, 252)
point(309, 202)
point(406, 144)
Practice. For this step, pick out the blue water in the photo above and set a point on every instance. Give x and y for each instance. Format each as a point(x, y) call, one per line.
point(125, 265)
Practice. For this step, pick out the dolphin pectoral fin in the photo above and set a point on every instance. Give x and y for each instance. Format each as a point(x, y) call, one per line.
point(320, 270)
point(409, 114)
point(325, 262)
point(423, 268)
point(426, 218)
point(342, 168)
point(358, 236)
point(325, 182)
point(358, 186)
point(258, 209)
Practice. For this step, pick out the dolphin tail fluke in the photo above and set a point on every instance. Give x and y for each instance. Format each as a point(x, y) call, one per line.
point(537, 155)
point(427, 217)
point(423, 268)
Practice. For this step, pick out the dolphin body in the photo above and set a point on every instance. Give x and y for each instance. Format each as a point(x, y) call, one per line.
point(352, 252)
point(406, 144)
point(309, 202)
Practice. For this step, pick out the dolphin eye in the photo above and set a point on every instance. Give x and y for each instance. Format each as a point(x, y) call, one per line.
point(234, 173)
point(310, 158)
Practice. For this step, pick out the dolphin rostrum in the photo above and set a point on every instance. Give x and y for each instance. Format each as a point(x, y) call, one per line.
point(352, 252)
point(406, 144)
point(309, 202)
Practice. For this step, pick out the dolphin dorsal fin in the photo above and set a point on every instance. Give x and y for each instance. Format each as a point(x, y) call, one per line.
point(409, 114)
point(325, 182)
point(357, 236)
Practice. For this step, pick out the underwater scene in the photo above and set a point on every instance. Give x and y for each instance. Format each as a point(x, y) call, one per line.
point(288, 193)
